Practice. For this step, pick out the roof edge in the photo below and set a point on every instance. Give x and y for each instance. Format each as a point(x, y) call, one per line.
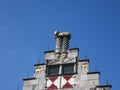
point(104, 86)
point(82, 60)
point(93, 73)
point(25, 79)
point(39, 64)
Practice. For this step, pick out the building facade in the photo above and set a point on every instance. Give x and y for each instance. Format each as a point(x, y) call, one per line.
point(63, 70)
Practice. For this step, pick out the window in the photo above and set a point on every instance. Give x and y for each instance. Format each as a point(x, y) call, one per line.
point(54, 70)
point(67, 69)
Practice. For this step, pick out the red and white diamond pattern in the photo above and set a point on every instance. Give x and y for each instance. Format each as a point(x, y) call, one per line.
point(53, 82)
point(67, 81)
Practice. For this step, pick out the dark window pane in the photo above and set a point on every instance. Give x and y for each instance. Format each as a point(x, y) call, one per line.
point(67, 69)
point(53, 70)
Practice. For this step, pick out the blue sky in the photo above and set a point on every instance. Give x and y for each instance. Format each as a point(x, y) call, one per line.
point(26, 31)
